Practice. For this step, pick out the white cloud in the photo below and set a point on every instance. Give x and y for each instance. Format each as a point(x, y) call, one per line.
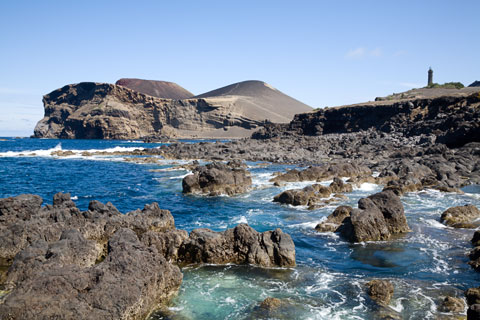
point(377, 52)
point(356, 53)
point(362, 52)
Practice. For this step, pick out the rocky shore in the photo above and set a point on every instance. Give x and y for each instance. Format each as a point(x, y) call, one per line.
point(412, 144)
point(64, 263)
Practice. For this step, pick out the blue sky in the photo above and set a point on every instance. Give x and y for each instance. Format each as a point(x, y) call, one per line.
point(324, 53)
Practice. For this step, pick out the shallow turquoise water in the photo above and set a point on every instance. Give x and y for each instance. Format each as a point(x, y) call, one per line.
point(328, 282)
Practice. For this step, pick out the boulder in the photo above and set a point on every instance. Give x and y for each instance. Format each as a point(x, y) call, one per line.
point(311, 195)
point(218, 178)
point(451, 304)
point(473, 312)
point(380, 291)
point(461, 216)
point(273, 308)
point(240, 245)
point(334, 220)
point(473, 296)
point(377, 218)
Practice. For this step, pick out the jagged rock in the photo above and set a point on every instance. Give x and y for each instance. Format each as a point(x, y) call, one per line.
point(102, 264)
point(334, 220)
point(218, 178)
point(461, 216)
point(473, 312)
point(377, 218)
point(380, 291)
point(325, 172)
point(167, 243)
point(313, 194)
point(451, 304)
point(239, 245)
point(453, 118)
point(128, 284)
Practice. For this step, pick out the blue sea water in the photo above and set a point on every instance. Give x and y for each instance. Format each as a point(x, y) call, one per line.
point(329, 280)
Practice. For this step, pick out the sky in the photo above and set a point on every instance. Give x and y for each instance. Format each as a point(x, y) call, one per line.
point(323, 53)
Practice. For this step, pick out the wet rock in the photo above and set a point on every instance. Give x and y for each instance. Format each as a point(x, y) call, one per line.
point(451, 304)
point(240, 245)
point(311, 195)
point(377, 218)
point(380, 291)
point(473, 296)
point(271, 303)
point(218, 178)
point(461, 216)
point(296, 197)
point(325, 172)
point(476, 239)
point(473, 312)
point(103, 264)
point(273, 308)
point(334, 220)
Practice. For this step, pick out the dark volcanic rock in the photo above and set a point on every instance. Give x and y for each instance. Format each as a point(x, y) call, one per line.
point(453, 119)
point(451, 304)
point(377, 218)
point(475, 84)
point(313, 194)
point(102, 264)
point(128, 284)
point(475, 255)
point(380, 291)
point(218, 178)
point(473, 301)
point(240, 245)
point(473, 312)
point(324, 172)
point(273, 308)
point(461, 216)
point(334, 220)
point(473, 296)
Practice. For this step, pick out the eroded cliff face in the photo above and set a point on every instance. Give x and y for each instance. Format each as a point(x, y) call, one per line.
point(453, 120)
point(91, 110)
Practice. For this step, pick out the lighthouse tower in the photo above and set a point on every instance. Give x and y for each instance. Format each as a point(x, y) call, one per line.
point(430, 76)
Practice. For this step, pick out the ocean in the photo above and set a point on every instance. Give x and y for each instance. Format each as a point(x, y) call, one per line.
point(425, 265)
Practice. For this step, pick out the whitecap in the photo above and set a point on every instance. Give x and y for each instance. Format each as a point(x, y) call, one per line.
point(241, 219)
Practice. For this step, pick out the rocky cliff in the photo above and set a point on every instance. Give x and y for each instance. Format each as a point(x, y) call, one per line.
point(91, 110)
point(452, 119)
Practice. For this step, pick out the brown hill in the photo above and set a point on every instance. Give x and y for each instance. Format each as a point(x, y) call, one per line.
point(258, 100)
point(159, 89)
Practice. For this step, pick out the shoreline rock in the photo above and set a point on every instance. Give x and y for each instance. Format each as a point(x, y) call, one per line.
point(378, 217)
point(313, 195)
point(217, 178)
point(461, 216)
point(101, 263)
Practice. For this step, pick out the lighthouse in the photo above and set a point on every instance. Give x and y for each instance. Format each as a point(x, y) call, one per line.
point(430, 76)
